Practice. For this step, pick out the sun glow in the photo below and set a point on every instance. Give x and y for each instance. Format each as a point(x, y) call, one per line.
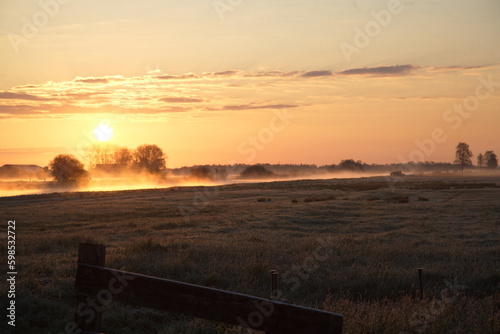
point(103, 132)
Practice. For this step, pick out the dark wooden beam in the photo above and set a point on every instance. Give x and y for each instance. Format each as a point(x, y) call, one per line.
point(92, 254)
point(267, 315)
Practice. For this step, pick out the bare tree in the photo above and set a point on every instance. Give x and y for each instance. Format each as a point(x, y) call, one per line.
point(123, 157)
point(463, 155)
point(149, 158)
point(67, 169)
point(491, 159)
point(100, 154)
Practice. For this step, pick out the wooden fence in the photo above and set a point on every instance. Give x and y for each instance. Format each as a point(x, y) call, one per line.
point(96, 285)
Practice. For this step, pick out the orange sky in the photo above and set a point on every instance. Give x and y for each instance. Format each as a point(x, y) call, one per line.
point(293, 82)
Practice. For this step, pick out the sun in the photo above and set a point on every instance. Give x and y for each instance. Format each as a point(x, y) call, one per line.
point(103, 132)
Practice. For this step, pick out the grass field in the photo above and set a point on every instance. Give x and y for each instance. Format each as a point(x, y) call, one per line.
point(372, 240)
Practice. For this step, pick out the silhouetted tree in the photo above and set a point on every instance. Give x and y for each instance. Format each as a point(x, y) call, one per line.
point(100, 154)
point(67, 169)
point(123, 157)
point(221, 173)
point(480, 160)
point(201, 172)
point(491, 159)
point(351, 165)
point(256, 172)
point(149, 158)
point(463, 155)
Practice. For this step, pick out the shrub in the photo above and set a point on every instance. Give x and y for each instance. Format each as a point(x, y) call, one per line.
point(256, 172)
point(67, 169)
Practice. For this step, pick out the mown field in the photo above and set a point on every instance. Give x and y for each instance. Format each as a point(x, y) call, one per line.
point(229, 237)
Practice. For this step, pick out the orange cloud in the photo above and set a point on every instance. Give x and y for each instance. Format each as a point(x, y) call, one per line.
point(230, 90)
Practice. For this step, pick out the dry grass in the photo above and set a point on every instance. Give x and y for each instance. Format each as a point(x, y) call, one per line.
point(235, 234)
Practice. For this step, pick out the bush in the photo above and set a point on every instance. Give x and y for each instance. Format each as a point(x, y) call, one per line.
point(256, 172)
point(201, 172)
point(66, 169)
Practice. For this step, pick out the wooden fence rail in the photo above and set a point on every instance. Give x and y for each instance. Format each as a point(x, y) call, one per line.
point(96, 285)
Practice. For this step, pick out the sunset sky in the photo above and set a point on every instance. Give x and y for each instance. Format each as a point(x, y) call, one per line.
point(251, 81)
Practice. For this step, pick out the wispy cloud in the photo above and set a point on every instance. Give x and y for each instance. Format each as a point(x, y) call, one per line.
point(250, 106)
point(312, 74)
point(275, 73)
point(17, 110)
point(224, 73)
point(180, 100)
point(31, 150)
point(178, 77)
point(20, 96)
point(461, 67)
point(231, 90)
point(93, 80)
point(396, 70)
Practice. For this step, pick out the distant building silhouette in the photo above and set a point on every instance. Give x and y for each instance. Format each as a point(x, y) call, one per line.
point(24, 172)
point(108, 169)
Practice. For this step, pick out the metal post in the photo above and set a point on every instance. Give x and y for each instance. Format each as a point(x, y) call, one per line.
point(421, 283)
point(274, 284)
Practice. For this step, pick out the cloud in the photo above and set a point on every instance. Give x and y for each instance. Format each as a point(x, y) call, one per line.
point(180, 100)
point(232, 90)
point(395, 70)
point(312, 74)
point(254, 106)
point(18, 110)
point(86, 96)
point(231, 73)
point(25, 86)
point(42, 110)
point(224, 73)
point(93, 80)
point(32, 150)
point(182, 76)
point(270, 74)
point(20, 96)
point(61, 110)
point(147, 111)
point(461, 67)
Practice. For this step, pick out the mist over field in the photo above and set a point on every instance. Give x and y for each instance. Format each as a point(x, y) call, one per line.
point(217, 175)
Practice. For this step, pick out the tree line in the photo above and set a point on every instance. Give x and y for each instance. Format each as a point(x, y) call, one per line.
point(151, 159)
point(66, 168)
point(463, 157)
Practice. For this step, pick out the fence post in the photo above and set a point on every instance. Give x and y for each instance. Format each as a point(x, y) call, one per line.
point(274, 284)
point(421, 283)
point(92, 254)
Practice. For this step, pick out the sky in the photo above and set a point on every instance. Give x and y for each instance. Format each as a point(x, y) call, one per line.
point(260, 81)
